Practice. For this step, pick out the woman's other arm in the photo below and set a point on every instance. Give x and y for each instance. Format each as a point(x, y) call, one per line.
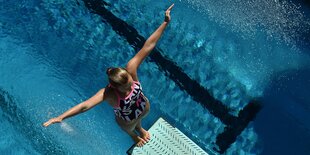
point(148, 46)
point(80, 108)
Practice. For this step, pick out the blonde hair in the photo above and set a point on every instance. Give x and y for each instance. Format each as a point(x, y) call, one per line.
point(117, 76)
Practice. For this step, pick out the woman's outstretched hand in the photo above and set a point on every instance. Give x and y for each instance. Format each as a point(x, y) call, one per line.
point(52, 121)
point(167, 14)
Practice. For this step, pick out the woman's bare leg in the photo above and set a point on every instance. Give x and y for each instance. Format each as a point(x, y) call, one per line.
point(145, 135)
point(137, 139)
point(129, 129)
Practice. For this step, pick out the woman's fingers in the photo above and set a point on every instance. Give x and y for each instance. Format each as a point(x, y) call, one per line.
point(51, 121)
point(170, 7)
point(167, 13)
point(46, 124)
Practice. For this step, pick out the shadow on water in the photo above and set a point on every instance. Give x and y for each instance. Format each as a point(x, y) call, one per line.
point(284, 122)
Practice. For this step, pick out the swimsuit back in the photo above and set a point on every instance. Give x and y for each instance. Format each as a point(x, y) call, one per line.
point(132, 106)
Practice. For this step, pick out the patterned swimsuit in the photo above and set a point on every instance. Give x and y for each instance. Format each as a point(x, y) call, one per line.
point(133, 105)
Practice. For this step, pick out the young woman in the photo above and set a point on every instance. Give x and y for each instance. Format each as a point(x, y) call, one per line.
point(124, 93)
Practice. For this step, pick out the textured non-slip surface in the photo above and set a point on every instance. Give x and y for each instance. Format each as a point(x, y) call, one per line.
point(167, 139)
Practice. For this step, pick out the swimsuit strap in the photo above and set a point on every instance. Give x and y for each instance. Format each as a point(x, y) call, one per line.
point(136, 82)
point(117, 94)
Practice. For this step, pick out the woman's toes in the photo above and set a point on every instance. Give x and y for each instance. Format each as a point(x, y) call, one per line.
point(141, 142)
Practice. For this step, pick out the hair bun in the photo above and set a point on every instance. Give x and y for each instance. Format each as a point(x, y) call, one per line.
point(108, 71)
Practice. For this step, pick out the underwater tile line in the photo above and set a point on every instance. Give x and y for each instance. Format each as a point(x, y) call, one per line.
point(234, 124)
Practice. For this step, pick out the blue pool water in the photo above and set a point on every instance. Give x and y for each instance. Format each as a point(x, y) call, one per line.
point(53, 55)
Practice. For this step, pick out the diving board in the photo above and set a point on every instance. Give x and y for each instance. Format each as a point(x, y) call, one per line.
point(167, 140)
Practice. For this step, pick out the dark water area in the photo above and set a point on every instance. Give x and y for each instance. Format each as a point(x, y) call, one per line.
point(305, 8)
point(284, 122)
point(304, 3)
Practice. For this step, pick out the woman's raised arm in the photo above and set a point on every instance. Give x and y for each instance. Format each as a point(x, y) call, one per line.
point(82, 107)
point(148, 46)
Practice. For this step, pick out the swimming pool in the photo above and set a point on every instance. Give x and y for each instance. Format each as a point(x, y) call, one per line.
point(54, 54)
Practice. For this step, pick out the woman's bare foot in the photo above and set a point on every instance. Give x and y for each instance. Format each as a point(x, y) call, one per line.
point(144, 134)
point(138, 140)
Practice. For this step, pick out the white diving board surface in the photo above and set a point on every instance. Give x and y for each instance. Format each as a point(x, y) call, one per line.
point(167, 140)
